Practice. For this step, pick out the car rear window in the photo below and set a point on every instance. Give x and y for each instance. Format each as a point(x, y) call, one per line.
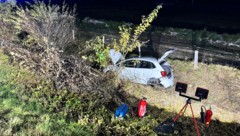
point(146, 64)
point(139, 64)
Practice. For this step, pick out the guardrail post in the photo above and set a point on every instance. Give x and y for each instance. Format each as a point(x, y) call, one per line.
point(195, 59)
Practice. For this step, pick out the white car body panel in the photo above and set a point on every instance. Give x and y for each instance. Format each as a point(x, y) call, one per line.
point(127, 73)
point(140, 74)
point(143, 75)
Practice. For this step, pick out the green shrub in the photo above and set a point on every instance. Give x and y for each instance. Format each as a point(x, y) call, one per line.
point(128, 41)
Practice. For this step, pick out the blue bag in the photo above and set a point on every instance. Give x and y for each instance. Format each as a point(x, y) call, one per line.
point(121, 111)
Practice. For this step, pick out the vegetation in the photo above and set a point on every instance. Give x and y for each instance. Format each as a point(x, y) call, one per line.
point(127, 42)
point(64, 97)
point(23, 111)
point(211, 38)
point(41, 110)
point(195, 36)
point(45, 24)
point(44, 91)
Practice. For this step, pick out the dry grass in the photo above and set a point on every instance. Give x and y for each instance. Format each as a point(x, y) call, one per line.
point(223, 83)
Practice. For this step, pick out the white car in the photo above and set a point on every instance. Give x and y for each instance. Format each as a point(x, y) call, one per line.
point(143, 70)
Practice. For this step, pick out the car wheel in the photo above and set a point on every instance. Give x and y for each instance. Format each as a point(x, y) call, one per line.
point(154, 82)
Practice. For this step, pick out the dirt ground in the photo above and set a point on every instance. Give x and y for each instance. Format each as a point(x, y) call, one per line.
point(223, 83)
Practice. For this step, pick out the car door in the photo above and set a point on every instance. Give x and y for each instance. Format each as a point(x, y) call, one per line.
point(127, 69)
point(144, 71)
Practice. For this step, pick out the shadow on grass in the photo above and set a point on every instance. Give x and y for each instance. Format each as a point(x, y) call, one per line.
point(184, 125)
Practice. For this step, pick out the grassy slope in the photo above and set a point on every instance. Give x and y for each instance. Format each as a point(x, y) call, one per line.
point(222, 82)
point(21, 114)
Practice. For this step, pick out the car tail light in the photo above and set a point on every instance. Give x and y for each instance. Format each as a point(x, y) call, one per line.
point(163, 73)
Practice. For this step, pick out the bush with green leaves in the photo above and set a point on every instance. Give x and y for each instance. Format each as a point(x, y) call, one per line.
point(128, 41)
point(99, 50)
point(29, 105)
point(33, 107)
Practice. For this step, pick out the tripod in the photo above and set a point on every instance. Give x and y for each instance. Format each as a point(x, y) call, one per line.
point(168, 125)
point(182, 111)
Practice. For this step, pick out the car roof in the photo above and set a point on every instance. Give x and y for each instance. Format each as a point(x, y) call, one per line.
point(145, 52)
point(152, 59)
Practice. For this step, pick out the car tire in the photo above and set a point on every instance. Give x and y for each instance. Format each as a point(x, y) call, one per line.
point(153, 82)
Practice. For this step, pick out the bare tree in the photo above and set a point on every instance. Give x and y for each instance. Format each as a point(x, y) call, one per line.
point(48, 25)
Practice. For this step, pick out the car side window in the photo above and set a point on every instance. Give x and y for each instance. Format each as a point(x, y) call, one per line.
point(129, 64)
point(147, 65)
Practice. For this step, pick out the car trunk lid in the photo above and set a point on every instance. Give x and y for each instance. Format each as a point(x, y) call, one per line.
point(165, 55)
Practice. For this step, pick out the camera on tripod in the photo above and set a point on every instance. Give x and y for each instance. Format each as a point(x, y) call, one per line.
point(200, 92)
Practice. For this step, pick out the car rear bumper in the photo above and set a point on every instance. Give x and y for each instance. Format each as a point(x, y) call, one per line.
point(167, 82)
